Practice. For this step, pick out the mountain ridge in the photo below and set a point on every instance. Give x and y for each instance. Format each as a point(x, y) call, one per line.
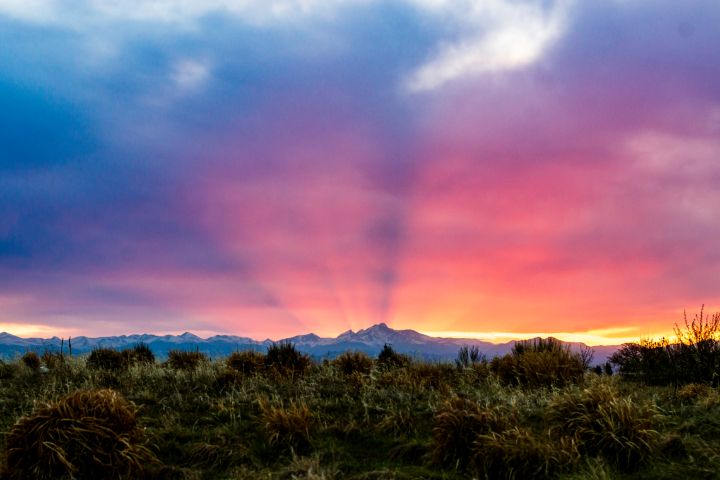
point(369, 340)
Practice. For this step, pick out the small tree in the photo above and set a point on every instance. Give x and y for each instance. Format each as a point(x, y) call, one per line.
point(468, 356)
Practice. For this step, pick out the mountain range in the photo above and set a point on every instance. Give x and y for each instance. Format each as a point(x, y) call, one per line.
point(369, 340)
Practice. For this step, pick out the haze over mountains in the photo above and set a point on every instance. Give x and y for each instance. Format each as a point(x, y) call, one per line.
point(369, 340)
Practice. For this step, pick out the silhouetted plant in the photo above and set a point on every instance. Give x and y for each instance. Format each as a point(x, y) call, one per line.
point(352, 362)
point(140, 353)
point(468, 356)
point(107, 359)
point(389, 358)
point(185, 360)
point(246, 362)
point(31, 360)
point(694, 358)
point(283, 358)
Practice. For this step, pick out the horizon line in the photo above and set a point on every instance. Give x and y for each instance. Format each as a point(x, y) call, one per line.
point(604, 337)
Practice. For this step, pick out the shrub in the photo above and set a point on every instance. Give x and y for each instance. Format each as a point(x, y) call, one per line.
point(140, 353)
point(246, 362)
point(107, 359)
point(31, 360)
point(352, 362)
point(389, 358)
point(185, 360)
point(649, 361)
point(468, 356)
point(456, 426)
point(604, 423)
point(694, 358)
point(517, 453)
point(287, 426)
point(283, 358)
point(541, 363)
point(87, 435)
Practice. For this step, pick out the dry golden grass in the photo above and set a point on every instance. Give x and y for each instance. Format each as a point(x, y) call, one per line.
point(516, 453)
point(456, 427)
point(605, 423)
point(246, 362)
point(287, 427)
point(90, 434)
point(353, 362)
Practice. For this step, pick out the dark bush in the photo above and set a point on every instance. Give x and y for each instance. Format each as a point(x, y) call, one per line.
point(695, 358)
point(107, 359)
point(88, 435)
point(389, 358)
point(246, 362)
point(284, 359)
point(140, 353)
point(185, 360)
point(351, 362)
point(31, 360)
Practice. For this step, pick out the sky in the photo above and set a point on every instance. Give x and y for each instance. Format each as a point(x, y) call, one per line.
point(266, 168)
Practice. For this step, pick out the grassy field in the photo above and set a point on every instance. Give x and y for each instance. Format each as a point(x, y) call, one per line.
point(257, 416)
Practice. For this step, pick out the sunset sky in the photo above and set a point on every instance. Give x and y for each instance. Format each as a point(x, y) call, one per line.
point(268, 168)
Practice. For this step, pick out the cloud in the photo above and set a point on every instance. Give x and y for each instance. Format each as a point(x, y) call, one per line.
point(513, 35)
point(168, 11)
point(190, 75)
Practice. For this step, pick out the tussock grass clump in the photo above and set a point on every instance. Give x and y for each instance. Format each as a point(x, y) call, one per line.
point(353, 361)
point(185, 360)
point(605, 423)
point(90, 434)
point(289, 426)
point(31, 360)
point(517, 453)
point(456, 426)
point(284, 359)
point(246, 362)
point(107, 359)
point(541, 363)
point(694, 391)
point(53, 360)
point(140, 353)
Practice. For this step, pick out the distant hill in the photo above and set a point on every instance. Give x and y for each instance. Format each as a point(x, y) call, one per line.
point(369, 340)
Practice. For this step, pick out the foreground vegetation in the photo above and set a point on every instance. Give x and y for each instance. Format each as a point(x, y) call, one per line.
point(538, 412)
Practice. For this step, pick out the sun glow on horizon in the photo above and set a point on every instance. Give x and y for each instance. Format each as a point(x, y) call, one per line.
point(613, 336)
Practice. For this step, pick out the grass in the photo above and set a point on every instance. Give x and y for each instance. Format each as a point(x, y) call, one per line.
point(90, 434)
point(249, 417)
